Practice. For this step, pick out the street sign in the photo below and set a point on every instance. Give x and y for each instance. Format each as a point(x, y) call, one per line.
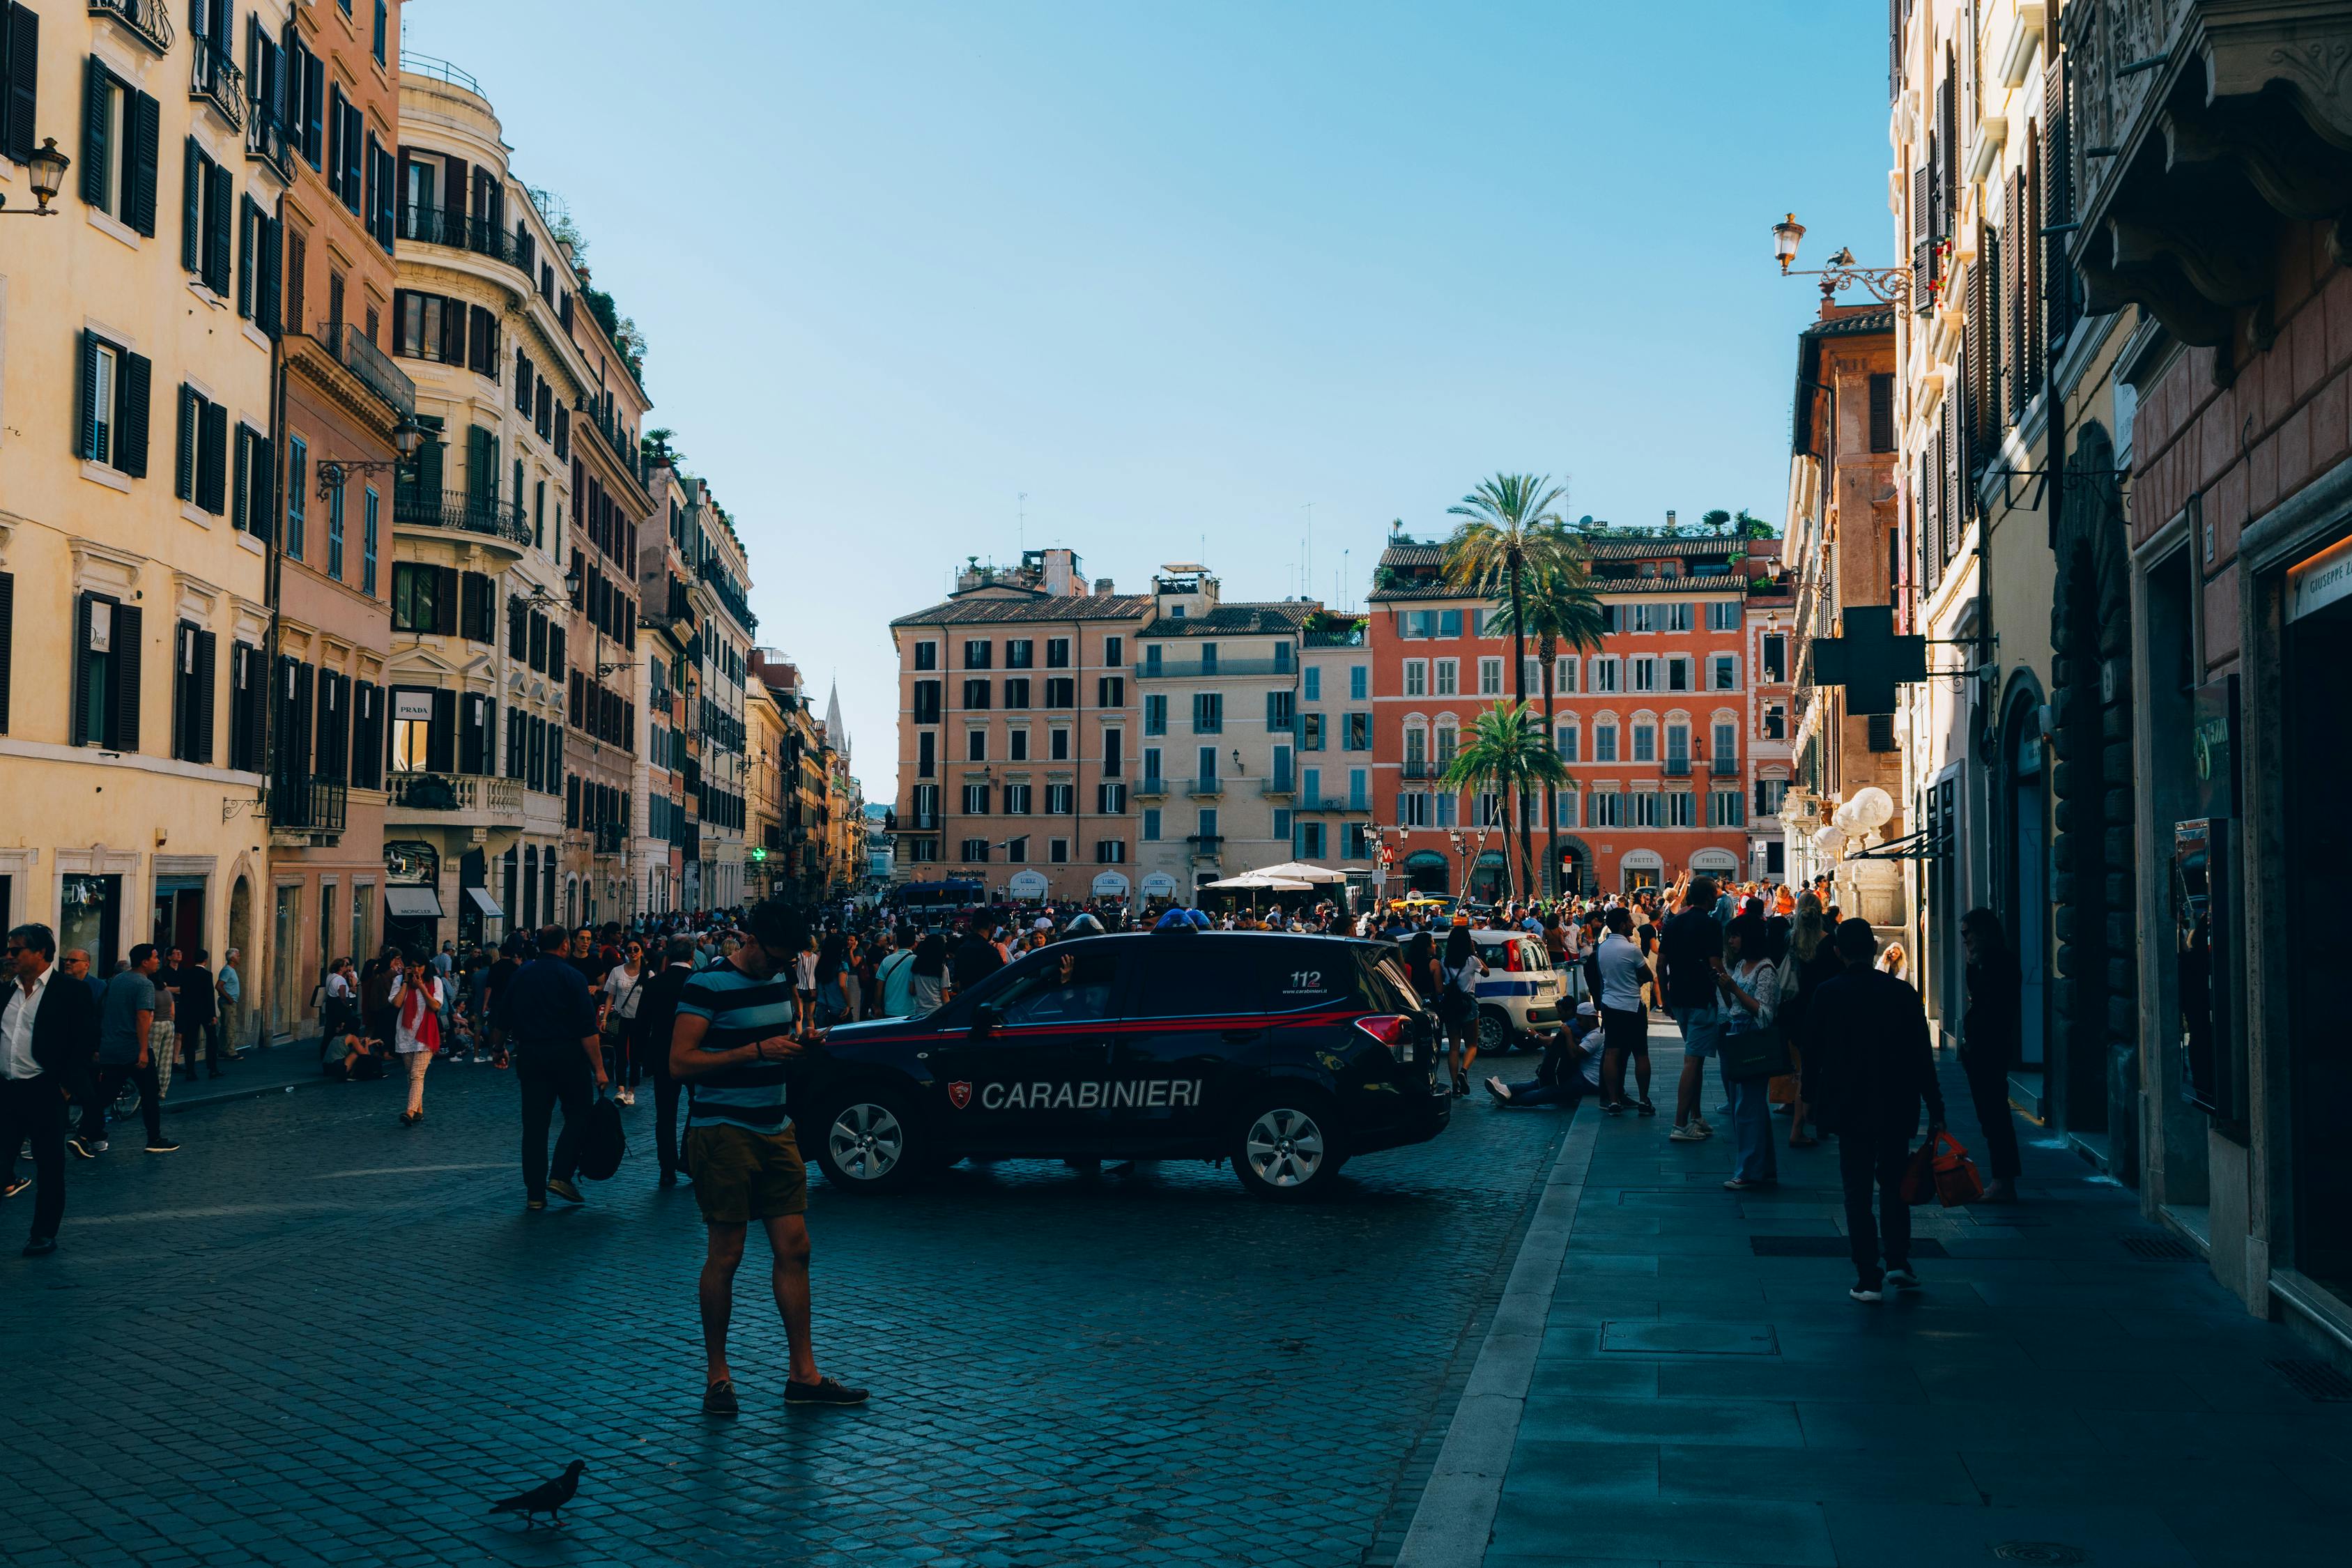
point(1870, 661)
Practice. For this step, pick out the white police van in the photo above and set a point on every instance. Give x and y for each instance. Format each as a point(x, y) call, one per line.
point(1522, 995)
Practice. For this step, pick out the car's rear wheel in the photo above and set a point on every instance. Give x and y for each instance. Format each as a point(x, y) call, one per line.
point(1287, 1148)
point(867, 1143)
point(1495, 1034)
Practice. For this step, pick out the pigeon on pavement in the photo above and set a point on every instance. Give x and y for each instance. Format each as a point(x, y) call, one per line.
point(548, 1498)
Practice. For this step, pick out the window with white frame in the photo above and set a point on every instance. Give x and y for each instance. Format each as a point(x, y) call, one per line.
point(1604, 740)
point(1722, 616)
point(1723, 808)
point(1678, 673)
point(1682, 809)
point(1603, 808)
point(1646, 742)
point(1646, 808)
point(1678, 617)
point(1416, 750)
point(1566, 743)
point(1645, 674)
point(1490, 677)
point(1412, 809)
point(1603, 672)
point(1449, 676)
point(1416, 678)
point(1723, 672)
point(1563, 677)
point(1646, 617)
point(1446, 737)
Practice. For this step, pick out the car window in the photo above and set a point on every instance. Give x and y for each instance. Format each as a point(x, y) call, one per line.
point(1533, 955)
point(1303, 976)
point(1188, 977)
point(1386, 985)
point(1068, 985)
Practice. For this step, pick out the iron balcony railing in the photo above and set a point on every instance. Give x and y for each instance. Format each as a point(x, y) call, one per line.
point(266, 139)
point(1333, 802)
point(727, 594)
point(1280, 784)
point(1422, 770)
point(917, 822)
point(1203, 669)
point(355, 352)
point(1205, 789)
point(215, 79)
point(460, 231)
point(1352, 638)
point(610, 837)
point(317, 803)
point(1150, 787)
point(461, 512)
point(149, 21)
point(1678, 767)
point(1724, 767)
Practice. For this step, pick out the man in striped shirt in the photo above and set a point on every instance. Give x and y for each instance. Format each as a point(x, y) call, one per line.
point(731, 1047)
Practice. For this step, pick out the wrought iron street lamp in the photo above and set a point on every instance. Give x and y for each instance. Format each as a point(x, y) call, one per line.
point(407, 439)
point(1887, 284)
point(47, 168)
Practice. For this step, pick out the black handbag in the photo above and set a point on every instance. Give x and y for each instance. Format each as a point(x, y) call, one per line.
point(603, 1141)
point(1755, 1052)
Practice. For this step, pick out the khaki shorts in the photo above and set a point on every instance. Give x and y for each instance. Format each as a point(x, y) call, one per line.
point(741, 1175)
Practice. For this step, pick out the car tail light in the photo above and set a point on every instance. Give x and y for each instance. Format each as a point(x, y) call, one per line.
point(1392, 1030)
point(1511, 958)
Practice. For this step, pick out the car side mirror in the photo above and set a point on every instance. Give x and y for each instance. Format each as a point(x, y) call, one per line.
point(986, 1020)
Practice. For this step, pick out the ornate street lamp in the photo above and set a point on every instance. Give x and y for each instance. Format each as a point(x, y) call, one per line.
point(407, 439)
point(47, 168)
point(1887, 284)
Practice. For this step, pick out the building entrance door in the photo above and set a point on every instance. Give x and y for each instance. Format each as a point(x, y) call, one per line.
point(2318, 836)
point(286, 962)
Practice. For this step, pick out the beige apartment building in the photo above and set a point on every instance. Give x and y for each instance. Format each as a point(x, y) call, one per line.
point(137, 490)
point(664, 827)
point(721, 592)
point(342, 402)
point(1017, 732)
point(481, 615)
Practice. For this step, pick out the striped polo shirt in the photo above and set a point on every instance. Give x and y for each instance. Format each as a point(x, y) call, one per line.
point(740, 1011)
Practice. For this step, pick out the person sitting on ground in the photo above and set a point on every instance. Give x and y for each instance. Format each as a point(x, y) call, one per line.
point(1570, 1069)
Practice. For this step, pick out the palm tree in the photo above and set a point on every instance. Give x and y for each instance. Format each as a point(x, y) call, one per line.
point(1565, 614)
point(1508, 530)
point(1506, 752)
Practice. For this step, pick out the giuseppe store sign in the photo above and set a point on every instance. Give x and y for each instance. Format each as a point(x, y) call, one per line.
point(1142, 1094)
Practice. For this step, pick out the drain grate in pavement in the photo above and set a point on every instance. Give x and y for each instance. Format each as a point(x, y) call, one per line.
point(1648, 1336)
point(2316, 1381)
point(2156, 1247)
point(2042, 1551)
point(1829, 1247)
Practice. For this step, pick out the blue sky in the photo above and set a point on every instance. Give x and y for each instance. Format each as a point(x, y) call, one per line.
point(1181, 271)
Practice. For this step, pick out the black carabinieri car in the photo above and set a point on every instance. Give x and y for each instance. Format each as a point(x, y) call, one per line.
point(1287, 1055)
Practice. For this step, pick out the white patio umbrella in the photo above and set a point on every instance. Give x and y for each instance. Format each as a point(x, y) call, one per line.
point(1255, 882)
point(1300, 871)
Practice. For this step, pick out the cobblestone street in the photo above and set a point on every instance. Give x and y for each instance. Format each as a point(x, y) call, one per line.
point(313, 1336)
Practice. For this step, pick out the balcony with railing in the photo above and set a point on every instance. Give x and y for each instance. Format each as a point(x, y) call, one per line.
point(1281, 786)
point(1415, 771)
point(1352, 638)
point(610, 837)
point(311, 805)
point(1151, 786)
point(215, 79)
point(1724, 767)
point(352, 351)
point(149, 21)
point(457, 796)
point(1205, 789)
point(267, 141)
point(1677, 767)
point(916, 821)
point(724, 589)
point(458, 231)
point(1212, 669)
point(1331, 803)
point(456, 511)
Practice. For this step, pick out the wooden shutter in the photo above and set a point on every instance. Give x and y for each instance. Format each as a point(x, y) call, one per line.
point(445, 600)
point(475, 607)
point(441, 735)
point(241, 482)
point(191, 207)
point(80, 727)
point(2057, 205)
point(122, 723)
point(261, 511)
point(142, 124)
point(134, 390)
point(335, 139)
point(96, 117)
point(184, 659)
point(555, 650)
point(211, 459)
point(20, 83)
point(304, 716)
point(314, 87)
point(481, 464)
point(7, 640)
point(1978, 332)
point(206, 677)
point(219, 228)
point(184, 478)
point(298, 255)
point(271, 233)
point(85, 417)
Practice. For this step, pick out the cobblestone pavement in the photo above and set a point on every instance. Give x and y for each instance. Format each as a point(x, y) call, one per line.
point(313, 1336)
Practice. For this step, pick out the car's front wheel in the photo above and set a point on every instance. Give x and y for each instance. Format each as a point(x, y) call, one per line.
point(1287, 1148)
point(1495, 1034)
point(867, 1143)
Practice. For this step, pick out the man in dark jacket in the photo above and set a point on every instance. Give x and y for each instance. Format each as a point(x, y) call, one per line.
point(656, 1019)
point(1875, 1068)
point(551, 1020)
point(1989, 1041)
point(48, 1042)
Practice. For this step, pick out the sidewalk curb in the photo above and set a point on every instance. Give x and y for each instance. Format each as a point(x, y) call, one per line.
point(1456, 1514)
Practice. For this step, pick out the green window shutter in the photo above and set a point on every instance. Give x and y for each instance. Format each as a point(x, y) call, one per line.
point(220, 227)
point(7, 640)
point(134, 377)
point(20, 83)
point(143, 123)
point(211, 459)
point(86, 418)
point(130, 647)
point(207, 671)
point(481, 464)
point(81, 670)
point(191, 209)
point(97, 115)
point(184, 480)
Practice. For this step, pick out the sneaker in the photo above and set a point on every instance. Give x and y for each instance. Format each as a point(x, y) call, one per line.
point(1691, 1133)
point(1737, 1184)
point(1867, 1293)
point(1903, 1278)
point(1614, 1107)
point(40, 1247)
point(87, 1148)
point(534, 1204)
point(718, 1399)
point(1705, 1127)
point(15, 1185)
point(1499, 1089)
point(823, 1391)
point(1647, 1109)
point(1723, 1110)
point(566, 1191)
point(162, 1146)
point(626, 1095)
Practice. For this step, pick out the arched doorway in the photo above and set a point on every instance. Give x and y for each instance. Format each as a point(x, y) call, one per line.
point(2092, 1077)
point(240, 938)
point(1720, 864)
point(2023, 874)
point(1424, 872)
point(1575, 868)
point(1640, 869)
point(1489, 875)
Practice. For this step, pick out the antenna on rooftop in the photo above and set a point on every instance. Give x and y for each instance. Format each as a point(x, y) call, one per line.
point(1022, 526)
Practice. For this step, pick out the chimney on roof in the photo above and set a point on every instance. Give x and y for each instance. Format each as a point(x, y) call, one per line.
point(1670, 520)
point(1103, 588)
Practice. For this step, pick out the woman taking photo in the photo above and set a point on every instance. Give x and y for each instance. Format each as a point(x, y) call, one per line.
point(414, 996)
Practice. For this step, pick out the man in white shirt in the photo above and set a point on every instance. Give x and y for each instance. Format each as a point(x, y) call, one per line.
point(48, 1037)
point(1624, 1031)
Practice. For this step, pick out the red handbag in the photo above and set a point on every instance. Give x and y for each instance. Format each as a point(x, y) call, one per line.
point(1941, 1170)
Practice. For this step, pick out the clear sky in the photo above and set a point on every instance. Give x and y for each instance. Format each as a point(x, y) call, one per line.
point(1196, 277)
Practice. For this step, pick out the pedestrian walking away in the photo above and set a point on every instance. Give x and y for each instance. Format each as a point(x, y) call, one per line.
point(163, 1036)
point(1988, 1040)
point(48, 1045)
point(1690, 947)
point(1869, 1068)
point(551, 1020)
point(733, 1040)
point(1750, 990)
point(655, 1021)
point(418, 997)
point(127, 1054)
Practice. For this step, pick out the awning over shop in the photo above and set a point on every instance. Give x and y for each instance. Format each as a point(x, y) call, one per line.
point(482, 900)
point(412, 903)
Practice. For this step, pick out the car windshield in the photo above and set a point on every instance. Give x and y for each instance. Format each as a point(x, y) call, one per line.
point(1061, 985)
